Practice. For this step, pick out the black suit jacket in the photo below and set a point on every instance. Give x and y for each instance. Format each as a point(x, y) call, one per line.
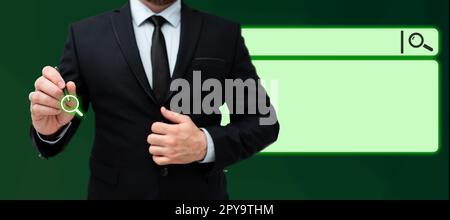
point(101, 56)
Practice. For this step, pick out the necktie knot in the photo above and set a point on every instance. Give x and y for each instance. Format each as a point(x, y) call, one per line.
point(158, 21)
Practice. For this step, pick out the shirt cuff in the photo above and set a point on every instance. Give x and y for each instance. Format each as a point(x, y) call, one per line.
point(210, 151)
point(58, 138)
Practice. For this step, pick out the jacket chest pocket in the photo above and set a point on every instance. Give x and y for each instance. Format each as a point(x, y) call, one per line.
point(210, 68)
point(204, 76)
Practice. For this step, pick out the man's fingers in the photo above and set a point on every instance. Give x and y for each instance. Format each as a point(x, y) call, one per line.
point(173, 116)
point(43, 99)
point(158, 150)
point(71, 88)
point(162, 161)
point(160, 140)
point(30, 96)
point(54, 76)
point(41, 110)
point(162, 128)
point(46, 86)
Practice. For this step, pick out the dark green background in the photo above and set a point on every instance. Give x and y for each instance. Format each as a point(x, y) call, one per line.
point(33, 33)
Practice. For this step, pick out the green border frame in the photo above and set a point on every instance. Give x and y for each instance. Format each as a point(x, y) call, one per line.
point(435, 57)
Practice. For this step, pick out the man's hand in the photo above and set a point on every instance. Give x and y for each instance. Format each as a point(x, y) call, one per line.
point(179, 143)
point(45, 107)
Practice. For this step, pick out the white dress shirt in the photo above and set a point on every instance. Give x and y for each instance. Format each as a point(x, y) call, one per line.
point(143, 30)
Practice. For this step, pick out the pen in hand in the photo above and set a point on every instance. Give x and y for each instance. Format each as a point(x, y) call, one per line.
point(66, 93)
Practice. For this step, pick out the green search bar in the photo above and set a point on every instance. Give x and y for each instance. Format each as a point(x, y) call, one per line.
point(342, 41)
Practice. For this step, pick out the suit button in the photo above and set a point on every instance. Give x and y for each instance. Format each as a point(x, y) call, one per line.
point(165, 171)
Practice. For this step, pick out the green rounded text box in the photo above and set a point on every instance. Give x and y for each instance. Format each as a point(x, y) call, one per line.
point(354, 106)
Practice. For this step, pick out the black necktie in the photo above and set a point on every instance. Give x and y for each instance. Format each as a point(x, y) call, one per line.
point(160, 63)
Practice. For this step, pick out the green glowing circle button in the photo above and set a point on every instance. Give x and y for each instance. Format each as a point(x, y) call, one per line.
point(68, 109)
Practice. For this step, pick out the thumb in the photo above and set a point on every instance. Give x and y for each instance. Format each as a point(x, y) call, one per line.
point(173, 116)
point(65, 118)
point(71, 88)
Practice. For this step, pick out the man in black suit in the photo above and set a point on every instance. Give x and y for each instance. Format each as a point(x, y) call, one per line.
point(122, 63)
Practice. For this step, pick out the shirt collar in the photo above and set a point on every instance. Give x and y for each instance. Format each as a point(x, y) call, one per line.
point(140, 13)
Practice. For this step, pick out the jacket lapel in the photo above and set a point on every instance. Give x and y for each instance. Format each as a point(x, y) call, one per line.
point(123, 29)
point(191, 25)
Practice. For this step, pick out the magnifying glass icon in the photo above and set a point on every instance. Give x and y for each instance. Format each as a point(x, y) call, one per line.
point(74, 108)
point(416, 40)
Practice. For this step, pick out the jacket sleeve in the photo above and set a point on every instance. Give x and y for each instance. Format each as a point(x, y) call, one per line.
point(70, 71)
point(245, 135)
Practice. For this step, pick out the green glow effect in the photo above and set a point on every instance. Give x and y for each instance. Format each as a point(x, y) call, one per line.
point(75, 109)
